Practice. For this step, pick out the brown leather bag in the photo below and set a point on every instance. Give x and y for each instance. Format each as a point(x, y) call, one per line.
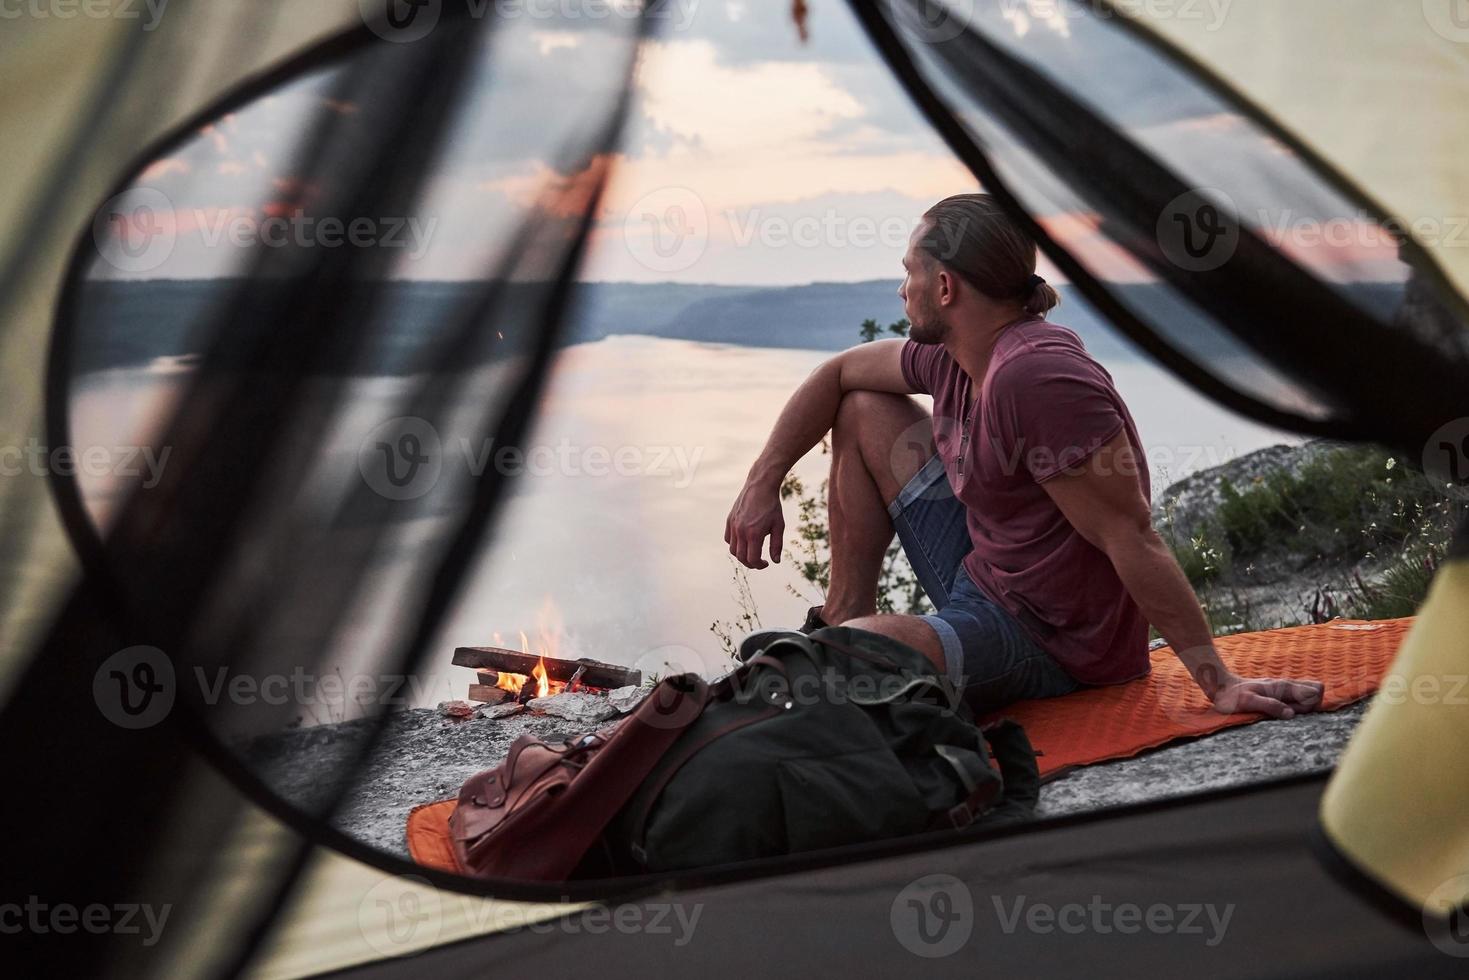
point(537, 815)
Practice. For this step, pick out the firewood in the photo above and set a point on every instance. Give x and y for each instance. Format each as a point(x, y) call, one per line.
point(487, 693)
point(596, 674)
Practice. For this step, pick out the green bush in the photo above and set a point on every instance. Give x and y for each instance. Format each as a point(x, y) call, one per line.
point(1342, 505)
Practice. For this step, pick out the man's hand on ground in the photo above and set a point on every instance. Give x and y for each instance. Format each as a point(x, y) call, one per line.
point(1267, 696)
point(756, 515)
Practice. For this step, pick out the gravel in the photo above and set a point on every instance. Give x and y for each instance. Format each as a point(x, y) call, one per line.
point(425, 757)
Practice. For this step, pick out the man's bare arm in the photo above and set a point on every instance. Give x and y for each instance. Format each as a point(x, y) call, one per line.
point(1104, 502)
point(807, 416)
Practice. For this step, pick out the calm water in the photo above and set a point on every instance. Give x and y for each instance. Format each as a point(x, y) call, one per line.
point(630, 566)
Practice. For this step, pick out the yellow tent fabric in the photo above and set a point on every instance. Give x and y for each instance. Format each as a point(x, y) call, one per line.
point(1398, 803)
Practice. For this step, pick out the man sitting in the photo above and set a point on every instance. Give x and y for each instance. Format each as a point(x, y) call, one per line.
point(1022, 503)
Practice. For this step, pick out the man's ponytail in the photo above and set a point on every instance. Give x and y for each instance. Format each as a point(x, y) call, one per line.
point(1043, 297)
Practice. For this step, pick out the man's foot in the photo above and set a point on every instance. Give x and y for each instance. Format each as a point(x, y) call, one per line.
point(814, 621)
point(760, 639)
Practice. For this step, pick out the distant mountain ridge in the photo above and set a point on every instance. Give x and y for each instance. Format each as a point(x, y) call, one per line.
point(133, 323)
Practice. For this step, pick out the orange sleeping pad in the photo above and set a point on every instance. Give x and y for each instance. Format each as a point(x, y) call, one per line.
point(1349, 656)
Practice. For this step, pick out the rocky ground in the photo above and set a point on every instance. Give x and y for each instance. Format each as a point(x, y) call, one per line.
point(425, 757)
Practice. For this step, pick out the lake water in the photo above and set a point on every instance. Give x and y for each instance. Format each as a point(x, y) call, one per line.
point(631, 567)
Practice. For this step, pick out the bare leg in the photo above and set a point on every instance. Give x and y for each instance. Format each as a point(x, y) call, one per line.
point(867, 472)
point(905, 629)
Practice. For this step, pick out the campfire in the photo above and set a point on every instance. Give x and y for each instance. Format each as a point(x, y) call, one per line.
point(520, 687)
point(538, 679)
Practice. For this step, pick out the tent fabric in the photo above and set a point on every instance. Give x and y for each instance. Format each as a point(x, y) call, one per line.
point(1241, 852)
point(1404, 824)
point(250, 557)
point(90, 94)
point(1349, 656)
point(258, 557)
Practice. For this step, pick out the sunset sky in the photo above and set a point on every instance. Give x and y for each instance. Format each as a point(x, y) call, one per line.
point(750, 158)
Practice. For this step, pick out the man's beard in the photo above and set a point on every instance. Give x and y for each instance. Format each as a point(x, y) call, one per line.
point(927, 327)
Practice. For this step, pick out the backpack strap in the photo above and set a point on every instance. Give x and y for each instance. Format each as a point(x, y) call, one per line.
point(1015, 791)
point(1016, 759)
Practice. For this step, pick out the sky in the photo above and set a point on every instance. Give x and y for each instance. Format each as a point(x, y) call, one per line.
point(750, 157)
point(792, 163)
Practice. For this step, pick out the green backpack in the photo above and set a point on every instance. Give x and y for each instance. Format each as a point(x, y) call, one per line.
point(840, 737)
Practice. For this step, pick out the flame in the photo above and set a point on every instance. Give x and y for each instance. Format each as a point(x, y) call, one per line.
point(548, 642)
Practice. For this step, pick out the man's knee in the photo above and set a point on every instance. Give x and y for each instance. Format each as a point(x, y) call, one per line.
point(860, 408)
point(892, 433)
point(912, 630)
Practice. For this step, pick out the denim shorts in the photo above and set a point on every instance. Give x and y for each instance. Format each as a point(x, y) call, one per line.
point(989, 655)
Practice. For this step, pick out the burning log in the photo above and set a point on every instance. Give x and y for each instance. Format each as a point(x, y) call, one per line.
point(488, 693)
point(503, 661)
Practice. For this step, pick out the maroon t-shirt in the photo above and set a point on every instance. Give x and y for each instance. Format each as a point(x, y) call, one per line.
point(1045, 406)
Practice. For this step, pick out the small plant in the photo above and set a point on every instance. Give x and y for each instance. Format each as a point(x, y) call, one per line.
point(745, 622)
point(1398, 591)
